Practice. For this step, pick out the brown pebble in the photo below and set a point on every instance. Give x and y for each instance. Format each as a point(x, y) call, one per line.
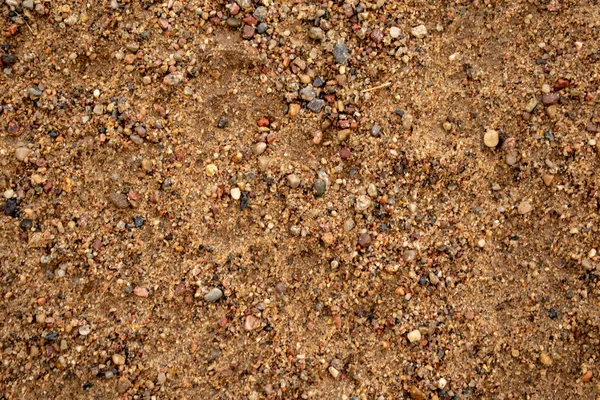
point(248, 31)
point(585, 378)
point(545, 360)
point(345, 154)
point(123, 385)
point(119, 200)
point(550, 98)
point(524, 208)
point(561, 84)
point(416, 393)
point(364, 240)
point(547, 178)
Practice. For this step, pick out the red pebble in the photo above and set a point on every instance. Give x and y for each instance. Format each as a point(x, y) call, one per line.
point(262, 122)
point(345, 154)
point(250, 20)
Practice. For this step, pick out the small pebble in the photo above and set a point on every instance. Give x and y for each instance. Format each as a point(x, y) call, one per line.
point(236, 193)
point(293, 181)
point(214, 295)
point(118, 359)
point(419, 31)
point(21, 153)
point(319, 187)
point(491, 138)
point(524, 207)
point(414, 336)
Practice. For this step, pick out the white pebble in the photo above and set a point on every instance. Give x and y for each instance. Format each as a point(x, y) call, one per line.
point(414, 336)
point(236, 193)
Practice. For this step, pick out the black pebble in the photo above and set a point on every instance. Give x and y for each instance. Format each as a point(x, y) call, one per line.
point(222, 123)
point(553, 314)
point(26, 224)
point(53, 134)
point(138, 222)
point(399, 113)
point(10, 208)
point(50, 336)
point(244, 203)
point(423, 280)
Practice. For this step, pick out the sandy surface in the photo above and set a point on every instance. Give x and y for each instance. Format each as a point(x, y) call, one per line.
point(299, 199)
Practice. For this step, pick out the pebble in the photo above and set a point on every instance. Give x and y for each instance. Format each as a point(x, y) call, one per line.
point(334, 372)
point(260, 13)
point(294, 109)
point(214, 295)
point(138, 222)
point(119, 200)
point(340, 52)
point(259, 148)
point(409, 255)
point(327, 238)
point(123, 384)
point(28, 4)
point(349, 224)
point(316, 105)
point(233, 22)
point(251, 323)
point(363, 202)
point(248, 32)
point(552, 313)
point(236, 193)
point(549, 99)
point(263, 163)
point(441, 383)
point(372, 190)
point(316, 33)
point(262, 28)
point(587, 376)
point(161, 378)
point(407, 121)
point(524, 207)
point(491, 138)
point(293, 181)
point(319, 187)
point(547, 178)
point(176, 78)
point(141, 292)
point(98, 109)
point(211, 170)
point(416, 393)
point(419, 31)
point(118, 359)
point(364, 240)
point(395, 32)
point(34, 92)
point(511, 159)
point(414, 336)
point(531, 105)
point(21, 153)
point(345, 154)
point(545, 360)
point(308, 93)
point(132, 46)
